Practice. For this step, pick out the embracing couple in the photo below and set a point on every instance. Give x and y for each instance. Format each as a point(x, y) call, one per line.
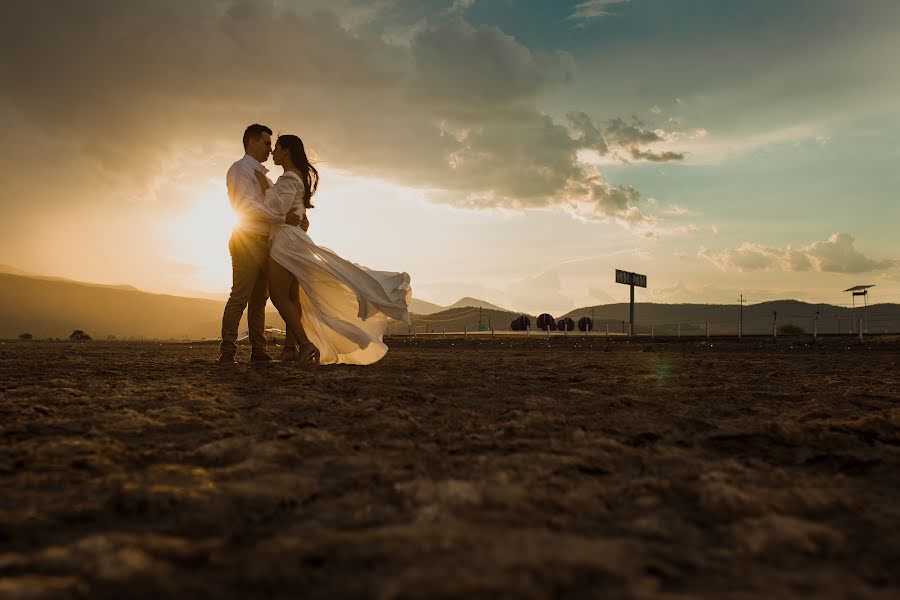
point(334, 311)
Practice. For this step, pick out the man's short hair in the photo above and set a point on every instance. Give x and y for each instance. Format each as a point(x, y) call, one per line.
point(253, 132)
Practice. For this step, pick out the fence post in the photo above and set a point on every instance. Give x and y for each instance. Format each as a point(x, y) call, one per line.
point(652, 332)
point(444, 331)
point(528, 331)
point(679, 331)
point(607, 331)
point(707, 330)
point(465, 331)
point(860, 328)
point(816, 327)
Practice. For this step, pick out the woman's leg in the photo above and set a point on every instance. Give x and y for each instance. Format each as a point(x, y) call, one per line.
point(280, 283)
point(280, 280)
point(294, 297)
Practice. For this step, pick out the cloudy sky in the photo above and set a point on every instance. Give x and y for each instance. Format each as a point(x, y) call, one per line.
point(514, 150)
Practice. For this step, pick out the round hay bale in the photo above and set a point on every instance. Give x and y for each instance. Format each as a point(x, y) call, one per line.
point(585, 324)
point(520, 323)
point(546, 322)
point(566, 324)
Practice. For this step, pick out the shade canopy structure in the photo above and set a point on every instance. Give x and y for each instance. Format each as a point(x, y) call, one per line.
point(860, 290)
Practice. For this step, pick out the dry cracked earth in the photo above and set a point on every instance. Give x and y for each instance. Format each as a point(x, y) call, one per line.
point(453, 468)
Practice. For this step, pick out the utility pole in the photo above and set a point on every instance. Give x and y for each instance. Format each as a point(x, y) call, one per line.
point(741, 330)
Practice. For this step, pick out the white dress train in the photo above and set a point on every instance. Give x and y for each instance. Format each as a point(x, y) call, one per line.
point(345, 306)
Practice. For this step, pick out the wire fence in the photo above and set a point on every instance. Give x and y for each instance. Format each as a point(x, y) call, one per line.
point(605, 323)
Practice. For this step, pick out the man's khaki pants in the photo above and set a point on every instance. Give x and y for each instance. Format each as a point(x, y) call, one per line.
point(249, 258)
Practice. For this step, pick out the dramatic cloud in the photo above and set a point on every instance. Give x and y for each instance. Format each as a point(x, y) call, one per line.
point(592, 9)
point(468, 69)
point(837, 254)
point(459, 6)
point(454, 109)
point(676, 210)
point(649, 155)
point(623, 141)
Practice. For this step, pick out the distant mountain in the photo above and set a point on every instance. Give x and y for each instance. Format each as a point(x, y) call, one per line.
point(476, 303)
point(469, 318)
point(669, 319)
point(9, 270)
point(422, 307)
point(723, 319)
point(16, 271)
point(54, 307)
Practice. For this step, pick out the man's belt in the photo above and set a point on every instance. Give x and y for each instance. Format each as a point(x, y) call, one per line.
point(259, 237)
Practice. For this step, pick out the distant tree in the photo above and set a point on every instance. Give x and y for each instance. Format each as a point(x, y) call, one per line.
point(26, 336)
point(791, 329)
point(79, 336)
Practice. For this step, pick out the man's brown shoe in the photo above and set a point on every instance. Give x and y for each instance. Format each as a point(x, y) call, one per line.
point(226, 359)
point(259, 356)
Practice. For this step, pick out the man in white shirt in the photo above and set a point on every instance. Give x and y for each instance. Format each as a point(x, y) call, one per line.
point(249, 247)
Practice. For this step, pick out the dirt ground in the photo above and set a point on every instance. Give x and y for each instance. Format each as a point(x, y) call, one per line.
point(453, 468)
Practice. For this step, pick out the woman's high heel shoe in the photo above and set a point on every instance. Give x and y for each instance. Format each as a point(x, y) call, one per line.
point(309, 354)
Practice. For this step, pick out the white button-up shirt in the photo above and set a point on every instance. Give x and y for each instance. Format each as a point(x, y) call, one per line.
point(247, 198)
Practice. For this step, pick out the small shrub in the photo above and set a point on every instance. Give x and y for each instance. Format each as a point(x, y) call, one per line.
point(79, 336)
point(26, 336)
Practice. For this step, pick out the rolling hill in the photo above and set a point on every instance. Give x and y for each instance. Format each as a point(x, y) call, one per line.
point(724, 318)
point(468, 302)
point(423, 307)
point(52, 307)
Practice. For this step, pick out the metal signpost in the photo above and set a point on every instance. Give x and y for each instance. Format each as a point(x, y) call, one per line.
point(631, 279)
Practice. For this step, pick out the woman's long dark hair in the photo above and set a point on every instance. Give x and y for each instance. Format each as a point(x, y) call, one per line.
point(310, 175)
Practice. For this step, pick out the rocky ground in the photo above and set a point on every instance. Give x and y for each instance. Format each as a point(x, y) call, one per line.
point(453, 468)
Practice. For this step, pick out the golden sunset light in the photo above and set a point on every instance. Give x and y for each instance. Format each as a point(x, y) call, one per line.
point(449, 299)
point(199, 238)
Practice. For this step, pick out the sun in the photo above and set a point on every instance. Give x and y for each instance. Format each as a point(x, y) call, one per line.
point(199, 240)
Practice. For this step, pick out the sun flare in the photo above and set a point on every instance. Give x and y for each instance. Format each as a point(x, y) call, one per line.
point(199, 240)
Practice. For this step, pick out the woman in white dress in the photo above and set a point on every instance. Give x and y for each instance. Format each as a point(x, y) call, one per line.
point(335, 311)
